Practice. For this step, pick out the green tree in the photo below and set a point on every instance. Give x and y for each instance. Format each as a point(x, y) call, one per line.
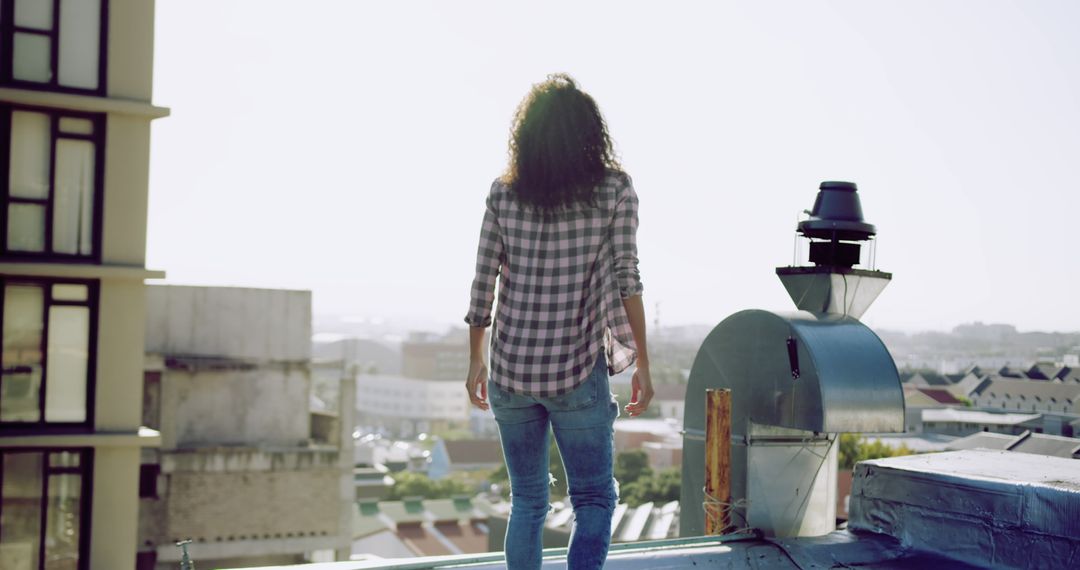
point(659, 487)
point(855, 448)
point(631, 466)
point(408, 484)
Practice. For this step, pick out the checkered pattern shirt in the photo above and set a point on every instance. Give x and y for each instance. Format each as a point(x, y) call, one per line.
point(561, 285)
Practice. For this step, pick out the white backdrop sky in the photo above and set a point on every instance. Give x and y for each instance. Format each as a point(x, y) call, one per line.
point(346, 147)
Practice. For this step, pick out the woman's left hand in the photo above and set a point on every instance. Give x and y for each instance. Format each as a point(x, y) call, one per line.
point(476, 384)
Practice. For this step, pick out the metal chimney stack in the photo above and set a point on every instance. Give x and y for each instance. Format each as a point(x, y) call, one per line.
point(797, 381)
point(836, 231)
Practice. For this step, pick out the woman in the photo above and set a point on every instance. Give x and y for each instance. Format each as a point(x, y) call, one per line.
point(559, 233)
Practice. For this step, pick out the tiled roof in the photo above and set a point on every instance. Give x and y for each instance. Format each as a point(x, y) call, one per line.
point(1010, 372)
point(1043, 371)
point(940, 395)
point(1042, 444)
point(1033, 390)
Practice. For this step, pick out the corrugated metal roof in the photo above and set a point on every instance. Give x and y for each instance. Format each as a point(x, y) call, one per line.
point(983, 440)
point(976, 416)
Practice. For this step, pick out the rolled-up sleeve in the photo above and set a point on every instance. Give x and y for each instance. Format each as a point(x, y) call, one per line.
point(624, 242)
point(489, 259)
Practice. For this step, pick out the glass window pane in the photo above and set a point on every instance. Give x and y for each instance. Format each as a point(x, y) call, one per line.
point(20, 507)
point(73, 197)
point(66, 357)
point(80, 30)
point(74, 126)
point(62, 522)
point(69, 292)
point(64, 459)
point(26, 227)
point(32, 58)
point(30, 140)
point(34, 14)
point(20, 380)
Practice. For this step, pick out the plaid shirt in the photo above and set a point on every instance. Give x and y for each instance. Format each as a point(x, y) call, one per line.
point(561, 285)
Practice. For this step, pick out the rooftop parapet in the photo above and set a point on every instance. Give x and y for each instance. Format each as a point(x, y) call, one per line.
point(990, 509)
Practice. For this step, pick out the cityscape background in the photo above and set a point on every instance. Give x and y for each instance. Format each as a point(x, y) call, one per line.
point(353, 159)
point(237, 239)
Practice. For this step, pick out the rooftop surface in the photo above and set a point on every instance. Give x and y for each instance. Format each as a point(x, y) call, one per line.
point(964, 509)
point(975, 416)
point(841, 549)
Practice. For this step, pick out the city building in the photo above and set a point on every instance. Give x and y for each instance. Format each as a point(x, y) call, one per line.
point(1028, 395)
point(406, 407)
point(75, 113)
point(670, 400)
point(464, 456)
point(427, 356)
point(246, 468)
point(420, 527)
point(648, 521)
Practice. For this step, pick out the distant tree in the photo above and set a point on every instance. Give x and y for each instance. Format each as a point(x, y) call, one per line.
point(965, 401)
point(855, 448)
point(407, 484)
point(631, 466)
point(659, 487)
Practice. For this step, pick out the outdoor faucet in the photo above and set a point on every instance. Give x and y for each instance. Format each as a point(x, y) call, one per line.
point(185, 560)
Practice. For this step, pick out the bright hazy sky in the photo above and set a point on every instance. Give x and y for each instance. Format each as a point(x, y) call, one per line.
point(346, 146)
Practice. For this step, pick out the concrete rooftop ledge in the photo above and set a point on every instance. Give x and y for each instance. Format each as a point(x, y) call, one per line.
point(993, 509)
point(958, 510)
point(143, 437)
point(838, 549)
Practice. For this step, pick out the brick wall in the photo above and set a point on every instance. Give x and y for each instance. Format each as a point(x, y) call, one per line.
point(249, 505)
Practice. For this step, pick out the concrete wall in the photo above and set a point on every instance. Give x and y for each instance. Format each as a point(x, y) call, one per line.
point(209, 506)
point(271, 325)
point(264, 406)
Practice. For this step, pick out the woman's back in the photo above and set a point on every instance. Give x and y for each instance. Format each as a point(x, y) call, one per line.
point(560, 280)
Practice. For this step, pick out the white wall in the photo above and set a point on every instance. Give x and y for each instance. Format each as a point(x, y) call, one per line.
point(411, 398)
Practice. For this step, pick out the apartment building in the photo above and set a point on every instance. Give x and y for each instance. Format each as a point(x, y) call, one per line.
point(75, 115)
point(253, 467)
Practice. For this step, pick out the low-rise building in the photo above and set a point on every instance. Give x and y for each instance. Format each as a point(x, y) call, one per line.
point(464, 456)
point(407, 407)
point(962, 422)
point(1025, 395)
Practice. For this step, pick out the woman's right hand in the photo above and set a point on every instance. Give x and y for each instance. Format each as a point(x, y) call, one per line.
point(476, 383)
point(641, 391)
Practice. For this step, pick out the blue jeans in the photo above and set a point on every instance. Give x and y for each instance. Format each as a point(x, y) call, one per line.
point(582, 421)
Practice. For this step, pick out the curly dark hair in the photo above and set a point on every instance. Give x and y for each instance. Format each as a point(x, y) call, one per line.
point(560, 150)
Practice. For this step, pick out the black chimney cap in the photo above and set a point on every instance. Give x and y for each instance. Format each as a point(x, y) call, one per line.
point(837, 214)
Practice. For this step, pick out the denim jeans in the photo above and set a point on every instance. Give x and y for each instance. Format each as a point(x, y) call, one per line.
point(582, 421)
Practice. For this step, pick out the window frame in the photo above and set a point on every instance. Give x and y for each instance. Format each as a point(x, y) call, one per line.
point(98, 120)
point(7, 45)
point(92, 303)
point(84, 470)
